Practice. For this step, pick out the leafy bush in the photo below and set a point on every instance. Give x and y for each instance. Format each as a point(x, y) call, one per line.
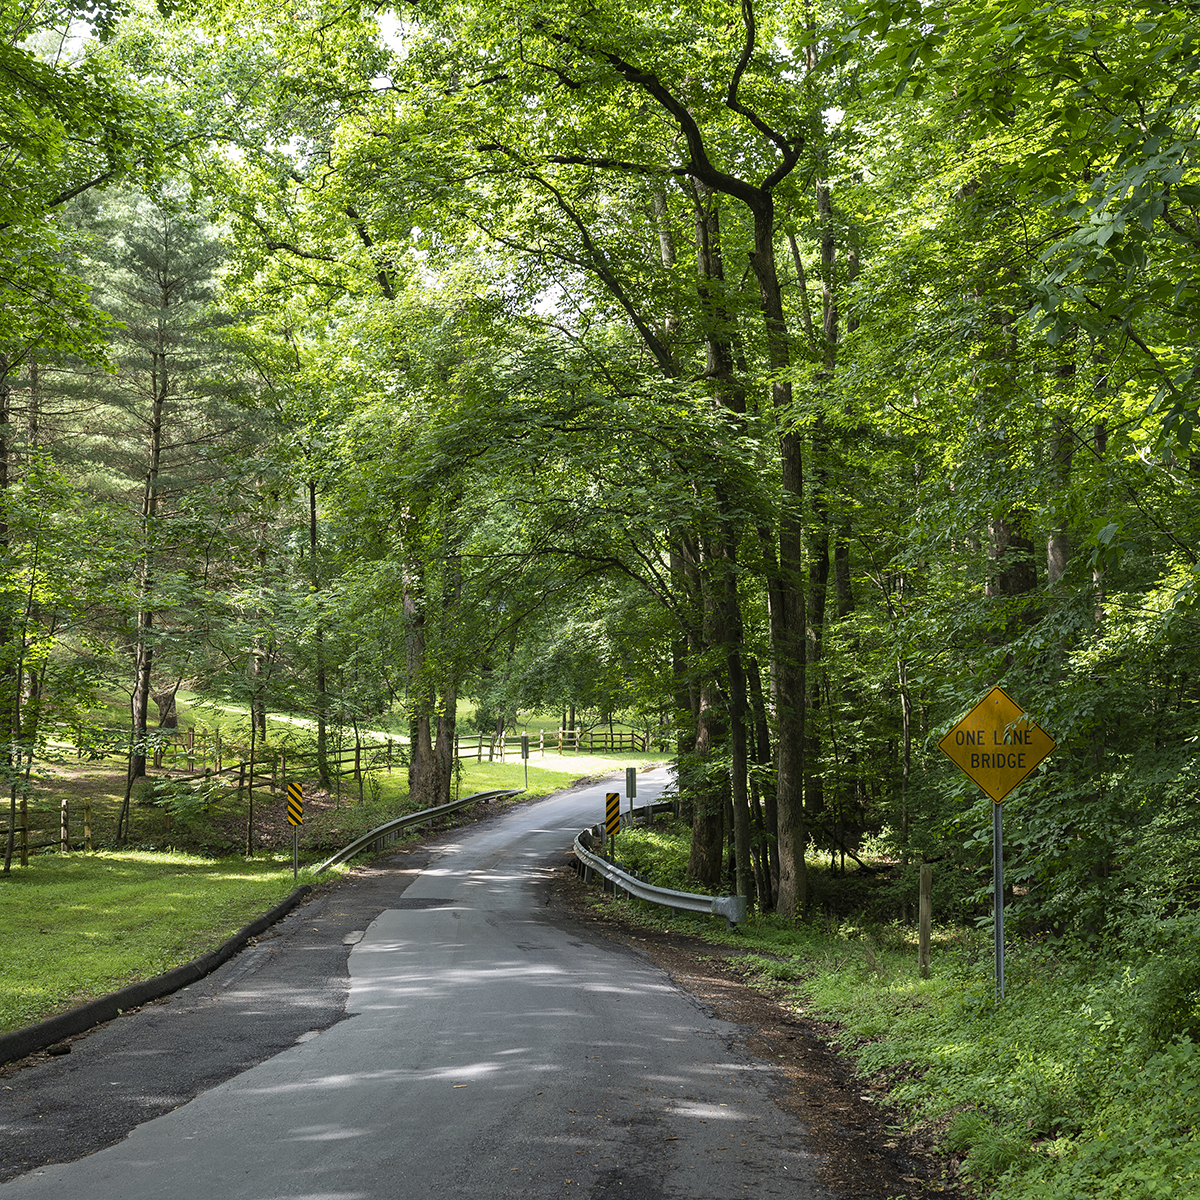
point(1169, 1000)
point(659, 853)
point(187, 799)
point(990, 1151)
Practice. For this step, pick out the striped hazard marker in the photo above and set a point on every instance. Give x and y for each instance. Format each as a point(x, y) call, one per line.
point(295, 803)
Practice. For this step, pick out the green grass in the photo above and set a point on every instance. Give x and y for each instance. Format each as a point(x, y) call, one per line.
point(79, 926)
point(1083, 1082)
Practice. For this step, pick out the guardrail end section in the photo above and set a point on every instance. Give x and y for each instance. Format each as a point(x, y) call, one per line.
point(732, 908)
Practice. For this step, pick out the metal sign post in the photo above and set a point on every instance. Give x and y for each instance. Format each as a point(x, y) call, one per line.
point(295, 811)
point(631, 789)
point(998, 749)
point(998, 895)
point(525, 757)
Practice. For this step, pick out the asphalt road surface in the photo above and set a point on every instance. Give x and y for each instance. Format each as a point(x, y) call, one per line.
point(491, 1049)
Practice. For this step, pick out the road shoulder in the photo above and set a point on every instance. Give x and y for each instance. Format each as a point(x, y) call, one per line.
point(853, 1129)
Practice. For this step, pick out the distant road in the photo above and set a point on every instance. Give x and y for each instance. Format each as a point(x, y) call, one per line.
point(493, 1050)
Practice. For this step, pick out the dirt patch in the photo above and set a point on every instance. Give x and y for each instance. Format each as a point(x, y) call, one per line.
point(860, 1137)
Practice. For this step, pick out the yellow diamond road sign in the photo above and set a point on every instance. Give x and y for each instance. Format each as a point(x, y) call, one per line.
point(996, 746)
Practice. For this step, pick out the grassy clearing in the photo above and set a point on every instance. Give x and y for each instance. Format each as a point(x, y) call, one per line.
point(1083, 1082)
point(79, 926)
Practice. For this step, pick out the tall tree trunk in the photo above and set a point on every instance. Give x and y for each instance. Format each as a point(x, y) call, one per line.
point(729, 392)
point(818, 588)
point(818, 536)
point(144, 652)
point(787, 614)
point(708, 792)
point(422, 770)
point(762, 758)
point(8, 674)
point(739, 770)
point(314, 567)
point(448, 710)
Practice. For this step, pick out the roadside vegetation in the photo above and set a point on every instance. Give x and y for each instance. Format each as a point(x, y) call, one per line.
point(1083, 1082)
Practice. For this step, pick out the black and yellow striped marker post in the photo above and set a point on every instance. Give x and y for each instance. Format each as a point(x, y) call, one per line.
point(295, 807)
point(612, 813)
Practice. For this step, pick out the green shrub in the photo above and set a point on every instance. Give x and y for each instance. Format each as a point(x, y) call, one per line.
point(1168, 1002)
point(144, 791)
point(659, 852)
point(990, 1151)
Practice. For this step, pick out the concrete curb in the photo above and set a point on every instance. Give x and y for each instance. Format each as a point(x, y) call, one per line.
point(21, 1042)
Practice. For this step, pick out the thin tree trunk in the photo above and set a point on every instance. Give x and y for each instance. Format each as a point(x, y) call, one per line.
point(422, 769)
point(730, 394)
point(250, 795)
point(704, 860)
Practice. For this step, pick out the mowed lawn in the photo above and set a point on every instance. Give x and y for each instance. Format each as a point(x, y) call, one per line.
point(77, 926)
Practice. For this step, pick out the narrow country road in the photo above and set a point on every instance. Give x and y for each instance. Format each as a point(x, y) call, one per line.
point(492, 1050)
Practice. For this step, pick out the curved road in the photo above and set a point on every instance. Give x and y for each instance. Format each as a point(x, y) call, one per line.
point(493, 1051)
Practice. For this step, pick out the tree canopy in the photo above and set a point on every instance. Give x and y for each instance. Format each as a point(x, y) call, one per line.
point(782, 377)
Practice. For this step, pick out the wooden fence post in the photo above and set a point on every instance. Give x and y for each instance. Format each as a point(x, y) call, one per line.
point(64, 827)
point(925, 914)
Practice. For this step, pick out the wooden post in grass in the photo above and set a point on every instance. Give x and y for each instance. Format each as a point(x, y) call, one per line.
point(924, 917)
point(64, 827)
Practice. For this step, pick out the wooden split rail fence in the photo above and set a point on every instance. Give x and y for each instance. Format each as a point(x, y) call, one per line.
point(210, 758)
point(557, 741)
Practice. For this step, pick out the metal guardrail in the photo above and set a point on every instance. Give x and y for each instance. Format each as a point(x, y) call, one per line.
point(732, 908)
point(418, 818)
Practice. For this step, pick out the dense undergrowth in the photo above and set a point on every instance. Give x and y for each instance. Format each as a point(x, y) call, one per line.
point(1084, 1081)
